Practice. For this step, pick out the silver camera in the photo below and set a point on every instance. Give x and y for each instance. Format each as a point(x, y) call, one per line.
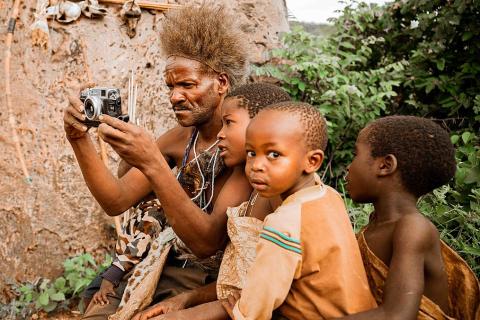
point(100, 100)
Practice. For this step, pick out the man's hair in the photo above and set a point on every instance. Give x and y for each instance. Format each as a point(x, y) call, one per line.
point(424, 152)
point(206, 34)
point(313, 123)
point(255, 96)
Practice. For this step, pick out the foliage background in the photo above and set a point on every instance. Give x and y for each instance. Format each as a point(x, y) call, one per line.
point(411, 57)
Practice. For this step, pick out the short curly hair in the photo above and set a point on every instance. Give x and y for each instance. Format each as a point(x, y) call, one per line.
point(314, 125)
point(425, 155)
point(255, 96)
point(207, 34)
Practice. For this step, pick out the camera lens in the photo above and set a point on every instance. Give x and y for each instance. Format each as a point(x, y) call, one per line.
point(93, 108)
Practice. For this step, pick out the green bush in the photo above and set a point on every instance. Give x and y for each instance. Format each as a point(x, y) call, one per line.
point(408, 57)
point(49, 295)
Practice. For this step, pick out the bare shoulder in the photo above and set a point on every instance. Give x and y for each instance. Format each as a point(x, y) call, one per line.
point(415, 231)
point(174, 135)
point(173, 142)
point(236, 180)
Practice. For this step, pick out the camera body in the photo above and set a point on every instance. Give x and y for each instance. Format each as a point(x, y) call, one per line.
point(101, 100)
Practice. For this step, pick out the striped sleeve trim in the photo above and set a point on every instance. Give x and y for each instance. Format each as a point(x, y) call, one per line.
point(281, 240)
point(281, 235)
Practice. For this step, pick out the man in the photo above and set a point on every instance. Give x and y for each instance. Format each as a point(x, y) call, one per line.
point(205, 57)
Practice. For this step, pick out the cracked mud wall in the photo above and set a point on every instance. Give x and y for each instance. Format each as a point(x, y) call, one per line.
point(55, 217)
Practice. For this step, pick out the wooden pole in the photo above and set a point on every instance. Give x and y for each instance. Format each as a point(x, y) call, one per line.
point(8, 91)
point(146, 4)
point(103, 147)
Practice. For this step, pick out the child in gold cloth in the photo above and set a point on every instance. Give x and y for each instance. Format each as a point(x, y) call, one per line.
point(412, 273)
point(307, 265)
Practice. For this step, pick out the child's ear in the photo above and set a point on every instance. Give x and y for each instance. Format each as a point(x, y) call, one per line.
point(388, 165)
point(314, 160)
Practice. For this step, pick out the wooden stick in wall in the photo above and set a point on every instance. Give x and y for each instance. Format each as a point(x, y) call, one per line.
point(146, 4)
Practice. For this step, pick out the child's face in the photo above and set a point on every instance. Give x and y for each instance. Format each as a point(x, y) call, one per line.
point(361, 176)
point(277, 157)
point(235, 120)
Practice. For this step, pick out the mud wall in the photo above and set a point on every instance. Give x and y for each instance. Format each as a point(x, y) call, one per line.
point(55, 217)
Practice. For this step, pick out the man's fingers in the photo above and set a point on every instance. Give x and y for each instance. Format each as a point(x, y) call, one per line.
point(110, 134)
point(72, 121)
point(116, 123)
point(75, 102)
point(86, 85)
point(74, 112)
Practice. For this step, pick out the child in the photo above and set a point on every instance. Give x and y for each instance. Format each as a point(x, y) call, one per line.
point(244, 222)
point(411, 272)
point(308, 264)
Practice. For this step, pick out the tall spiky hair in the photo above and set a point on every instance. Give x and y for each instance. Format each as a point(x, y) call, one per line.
point(207, 34)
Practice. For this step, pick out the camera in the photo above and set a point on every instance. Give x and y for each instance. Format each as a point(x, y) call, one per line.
point(98, 101)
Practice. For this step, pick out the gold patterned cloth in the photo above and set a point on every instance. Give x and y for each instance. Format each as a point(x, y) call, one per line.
point(239, 254)
point(463, 286)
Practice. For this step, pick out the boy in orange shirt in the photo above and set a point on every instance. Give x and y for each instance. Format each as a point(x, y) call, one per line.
point(308, 264)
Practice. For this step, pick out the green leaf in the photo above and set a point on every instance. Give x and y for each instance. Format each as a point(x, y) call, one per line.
point(301, 86)
point(454, 139)
point(57, 296)
point(80, 285)
point(60, 283)
point(43, 299)
point(472, 176)
point(467, 35)
point(441, 64)
point(466, 137)
point(50, 307)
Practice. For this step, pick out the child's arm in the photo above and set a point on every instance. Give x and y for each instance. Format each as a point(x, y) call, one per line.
point(413, 239)
point(276, 265)
point(182, 301)
point(207, 311)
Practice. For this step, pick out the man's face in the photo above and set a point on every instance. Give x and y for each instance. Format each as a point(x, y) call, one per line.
point(361, 175)
point(193, 92)
point(276, 154)
point(235, 120)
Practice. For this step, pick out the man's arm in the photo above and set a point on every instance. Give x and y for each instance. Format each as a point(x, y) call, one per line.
point(412, 239)
point(203, 234)
point(114, 195)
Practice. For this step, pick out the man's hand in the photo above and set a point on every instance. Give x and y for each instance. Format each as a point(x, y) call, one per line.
point(229, 303)
point(132, 143)
point(176, 303)
point(106, 288)
point(73, 115)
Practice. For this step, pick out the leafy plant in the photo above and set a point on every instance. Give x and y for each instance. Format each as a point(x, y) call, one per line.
point(49, 295)
point(410, 57)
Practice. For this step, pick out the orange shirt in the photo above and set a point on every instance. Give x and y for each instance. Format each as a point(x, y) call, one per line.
point(308, 263)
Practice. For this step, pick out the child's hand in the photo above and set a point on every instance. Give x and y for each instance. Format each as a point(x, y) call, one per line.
point(106, 288)
point(176, 303)
point(229, 303)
